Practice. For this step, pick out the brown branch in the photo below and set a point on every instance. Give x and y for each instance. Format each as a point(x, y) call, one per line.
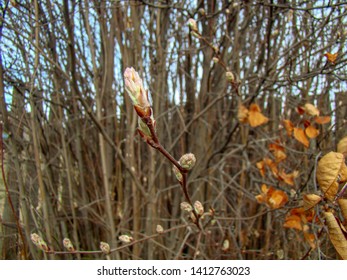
point(8, 195)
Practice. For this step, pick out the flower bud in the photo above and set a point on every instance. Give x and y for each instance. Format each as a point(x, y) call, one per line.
point(226, 245)
point(68, 245)
point(136, 92)
point(202, 12)
point(105, 248)
point(126, 238)
point(39, 242)
point(159, 229)
point(215, 48)
point(198, 207)
point(185, 206)
point(215, 59)
point(192, 25)
point(230, 77)
point(187, 161)
point(177, 173)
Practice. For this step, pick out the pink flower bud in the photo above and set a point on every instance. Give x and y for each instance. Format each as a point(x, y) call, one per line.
point(192, 25)
point(136, 92)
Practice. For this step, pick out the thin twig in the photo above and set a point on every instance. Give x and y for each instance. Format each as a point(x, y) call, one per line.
point(19, 228)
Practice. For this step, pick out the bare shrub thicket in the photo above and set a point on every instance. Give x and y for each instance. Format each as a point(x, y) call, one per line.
point(75, 167)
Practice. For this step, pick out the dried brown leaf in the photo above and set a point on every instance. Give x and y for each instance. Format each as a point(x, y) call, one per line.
point(336, 235)
point(342, 146)
point(289, 126)
point(293, 221)
point(242, 114)
point(299, 135)
point(343, 206)
point(330, 169)
point(322, 119)
point(331, 57)
point(255, 117)
point(311, 200)
point(311, 131)
point(311, 110)
point(261, 166)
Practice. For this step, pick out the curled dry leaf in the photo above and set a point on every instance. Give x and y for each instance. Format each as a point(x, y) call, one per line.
point(331, 57)
point(322, 119)
point(311, 110)
point(278, 151)
point(272, 165)
point(331, 169)
point(336, 234)
point(343, 206)
point(311, 200)
point(288, 178)
point(311, 131)
point(300, 110)
point(299, 135)
point(279, 155)
point(289, 126)
point(242, 114)
point(274, 198)
point(261, 166)
point(293, 221)
point(298, 219)
point(255, 117)
point(342, 146)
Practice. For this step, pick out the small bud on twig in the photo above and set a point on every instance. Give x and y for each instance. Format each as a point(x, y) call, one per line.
point(105, 247)
point(68, 245)
point(177, 173)
point(199, 208)
point(185, 206)
point(187, 161)
point(159, 229)
point(192, 25)
point(230, 77)
point(202, 12)
point(225, 245)
point(126, 238)
point(39, 242)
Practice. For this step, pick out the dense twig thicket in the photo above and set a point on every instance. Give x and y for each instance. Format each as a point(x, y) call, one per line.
point(74, 166)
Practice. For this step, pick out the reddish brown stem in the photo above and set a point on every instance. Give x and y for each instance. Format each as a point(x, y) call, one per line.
point(154, 142)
